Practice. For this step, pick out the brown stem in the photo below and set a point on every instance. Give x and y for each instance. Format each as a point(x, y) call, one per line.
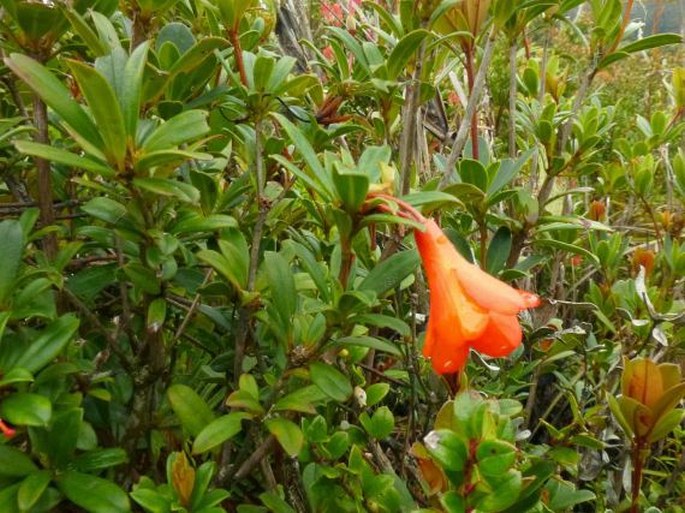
point(238, 53)
point(636, 478)
point(408, 136)
point(141, 27)
point(483, 227)
point(471, 78)
point(513, 91)
point(246, 311)
point(624, 24)
point(47, 212)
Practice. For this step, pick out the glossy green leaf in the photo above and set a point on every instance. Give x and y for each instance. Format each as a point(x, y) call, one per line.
point(131, 95)
point(11, 251)
point(352, 187)
point(49, 344)
point(15, 463)
point(15, 375)
point(331, 381)
point(318, 174)
point(32, 488)
point(403, 51)
point(379, 425)
point(169, 187)
point(303, 400)
point(184, 127)
point(218, 431)
point(143, 278)
point(498, 250)
point(376, 392)
point(288, 434)
point(26, 409)
point(370, 342)
point(100, 459)
point(64, 157)
point(156, 314)
point(281, 285)
point(447, 448)
point(473, 172)
point(56, 95)
point(191, 409)
point(495, 457)
point(94, 494)
point(388, 274)
point(104, 106)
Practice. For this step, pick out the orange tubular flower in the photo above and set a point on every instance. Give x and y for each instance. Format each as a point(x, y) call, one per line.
point(468, 307)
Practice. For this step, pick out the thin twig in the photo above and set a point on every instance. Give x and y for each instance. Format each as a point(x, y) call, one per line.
point(474, 100)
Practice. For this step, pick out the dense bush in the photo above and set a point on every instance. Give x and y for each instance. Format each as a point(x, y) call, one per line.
point(211, 297)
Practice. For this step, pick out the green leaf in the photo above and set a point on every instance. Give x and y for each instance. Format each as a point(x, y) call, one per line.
point(94, 494)
point(473, 172)
point(563, 495)
point(501, 492)
point(498, 250)
point(380, 425)
point(667, 423)
point(384, 321)
point(100, 459)
point(403, 51)
point(64, 157)
point(105, 209)
point(447, 449)
point(195, 223)
point(8, 499)
point(143, 278)
point(190, 408)
point(233, 261)
point(184, 127)
point(218, 431)
point(370, 342)
point(318, 173)
point(331, 381)
point(169, 187)
point(389, 273)
point(281, 285)
point(288, 434)
point(495, 457)
point(104, 106)
point(156, 314)
point(569, 248)
point(131, 95)
point(49, 344)
point(83, 30)
point(15, 375)
point(376, 392)
point(275, 503)
point(303, 400)
point(32, 488)
point(653, 41)
point(25, 409)
point(56, 95)
point(151, 500)
point(431, 200)
point(11, 251)
point(352, 187)
point(167, 158)
point(14, 463)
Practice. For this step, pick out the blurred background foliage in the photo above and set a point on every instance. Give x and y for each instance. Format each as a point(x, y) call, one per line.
point(204, 307)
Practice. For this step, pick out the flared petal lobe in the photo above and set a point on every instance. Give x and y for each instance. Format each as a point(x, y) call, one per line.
point(468, 307)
